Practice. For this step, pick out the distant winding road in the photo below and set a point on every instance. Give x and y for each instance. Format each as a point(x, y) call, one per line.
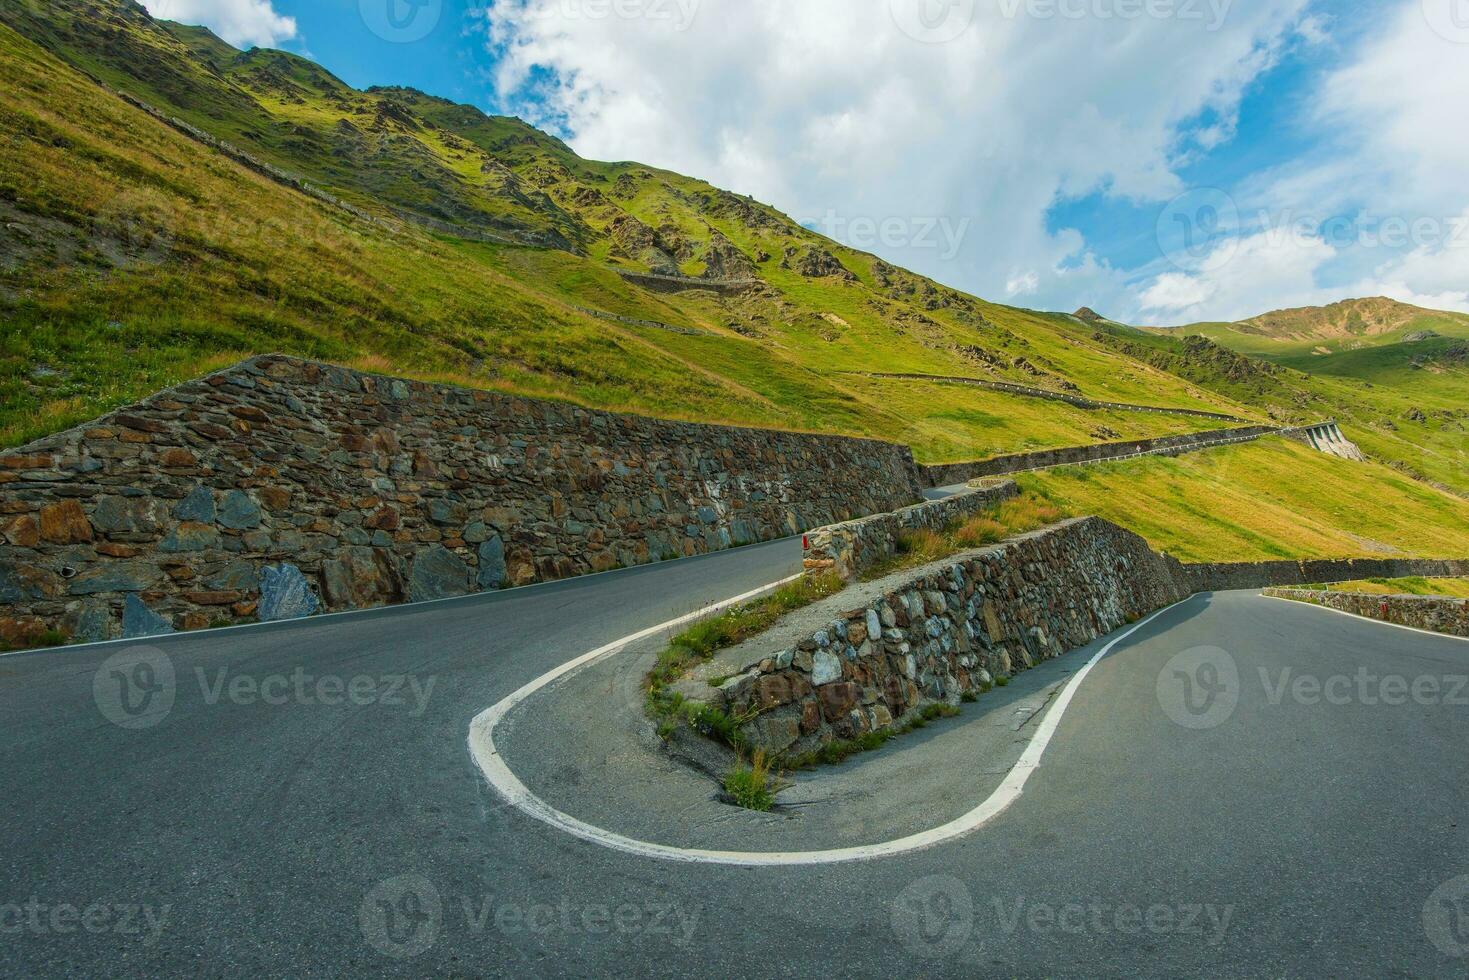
point(1238, 788)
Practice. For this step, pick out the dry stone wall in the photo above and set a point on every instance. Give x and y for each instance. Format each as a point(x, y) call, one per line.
point(955, 473)
point(930, 636)
point(1226, 576)
point(1437, 614)
point(866, 658)
point(279, 487)
point(851, 548)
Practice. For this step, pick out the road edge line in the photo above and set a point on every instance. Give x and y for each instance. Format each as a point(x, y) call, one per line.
point(500, 777)
point(1368, 619)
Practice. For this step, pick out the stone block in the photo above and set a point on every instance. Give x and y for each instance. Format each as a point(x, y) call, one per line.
point(65, 523)
point(438, 573)
point(285, 594)
point(138, 621)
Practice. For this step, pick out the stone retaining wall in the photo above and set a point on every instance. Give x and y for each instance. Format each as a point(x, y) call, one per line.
point(280, 486)
point(851, 548)
point(954, 473)
point(1227, 576)
point(950, 628)
point(1438, 614)
point(930, 635)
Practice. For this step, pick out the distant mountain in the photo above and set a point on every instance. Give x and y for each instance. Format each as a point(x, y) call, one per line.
point(1374, 317)
point(170, 204)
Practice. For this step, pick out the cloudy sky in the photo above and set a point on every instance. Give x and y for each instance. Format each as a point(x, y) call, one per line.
point(1163, 161)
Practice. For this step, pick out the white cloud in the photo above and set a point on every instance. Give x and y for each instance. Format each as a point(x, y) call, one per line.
point(1237, 278)
point(243, 23)
point(1388, 185)
point(827, 105)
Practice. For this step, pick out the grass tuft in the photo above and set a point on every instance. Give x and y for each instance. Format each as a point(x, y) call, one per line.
point(748, 786)
point(924, 546)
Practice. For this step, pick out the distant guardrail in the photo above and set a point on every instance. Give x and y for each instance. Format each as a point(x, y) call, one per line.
point(1079, 401)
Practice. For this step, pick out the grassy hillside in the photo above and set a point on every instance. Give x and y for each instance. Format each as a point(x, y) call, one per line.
point(1396, 376)
point(477, 250)
point(137, 256)
point(1271, 499)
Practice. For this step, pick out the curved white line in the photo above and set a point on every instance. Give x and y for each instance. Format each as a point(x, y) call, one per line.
point(1370, 619)
point(508, 785)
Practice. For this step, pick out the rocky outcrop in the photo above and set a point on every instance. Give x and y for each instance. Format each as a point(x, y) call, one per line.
point(816, 263)
point(634, 240)
point(1437, 614)
point(280, 486)
point(722, 260)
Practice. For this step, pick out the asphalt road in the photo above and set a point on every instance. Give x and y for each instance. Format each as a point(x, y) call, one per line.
point(300, 800)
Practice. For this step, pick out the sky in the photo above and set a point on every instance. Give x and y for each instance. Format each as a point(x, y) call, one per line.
point(1160, 161)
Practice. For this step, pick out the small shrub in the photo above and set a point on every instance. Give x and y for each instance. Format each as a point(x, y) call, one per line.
point(52, 638)
point(1002, 681)
point(969, 697)
point(717, 724)
point(749, 786)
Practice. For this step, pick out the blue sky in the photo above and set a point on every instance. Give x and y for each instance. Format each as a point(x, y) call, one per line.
point(1214, 160)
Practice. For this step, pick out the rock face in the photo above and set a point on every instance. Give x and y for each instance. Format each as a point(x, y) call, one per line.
point(818, 263)
point(372, 490)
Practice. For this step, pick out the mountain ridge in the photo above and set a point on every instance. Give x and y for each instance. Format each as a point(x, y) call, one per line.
point(494, 257)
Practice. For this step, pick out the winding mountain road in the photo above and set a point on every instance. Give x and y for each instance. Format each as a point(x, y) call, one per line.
point(1242, 786)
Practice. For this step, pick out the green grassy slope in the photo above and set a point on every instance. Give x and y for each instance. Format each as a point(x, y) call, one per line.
point(1395, 376)
point(1265, 500)
point(133, 256)
point(140, 256)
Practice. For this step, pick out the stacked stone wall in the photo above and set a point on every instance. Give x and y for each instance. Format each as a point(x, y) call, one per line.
point(850, 549)
point(1437, 614)
point(281, 486)
point(951, 474)
point(945, 630)
point(1227, 576)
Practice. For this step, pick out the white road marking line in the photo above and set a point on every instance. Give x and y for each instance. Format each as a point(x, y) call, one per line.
point(1369, 619)
point(508, 785)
